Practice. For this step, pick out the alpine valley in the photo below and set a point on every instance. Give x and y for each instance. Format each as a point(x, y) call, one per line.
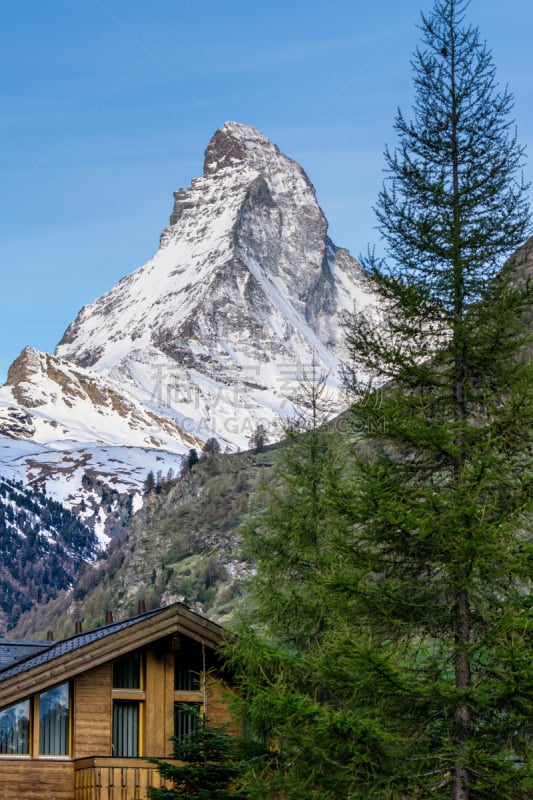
point(210, 338)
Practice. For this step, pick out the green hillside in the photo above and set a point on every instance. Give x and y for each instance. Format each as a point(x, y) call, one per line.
point(184, 544)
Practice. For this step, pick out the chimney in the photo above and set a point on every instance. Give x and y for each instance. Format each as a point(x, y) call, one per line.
point(77, 627)
point(108, 617)
point(49, 636)
point(142, 607)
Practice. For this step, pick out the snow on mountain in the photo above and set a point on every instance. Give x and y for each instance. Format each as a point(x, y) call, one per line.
point(245, 290)
point(210, 338)
point(64, 426)
point(64, 403)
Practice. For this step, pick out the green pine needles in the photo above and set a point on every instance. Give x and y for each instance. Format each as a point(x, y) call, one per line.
point(442, 504)
point(391, 652)
point(213, 763)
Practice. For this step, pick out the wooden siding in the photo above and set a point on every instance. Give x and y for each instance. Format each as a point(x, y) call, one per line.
point(155, 722)
point(27, 779)
point(219, 702)
point(168, 746)
point(92, 712)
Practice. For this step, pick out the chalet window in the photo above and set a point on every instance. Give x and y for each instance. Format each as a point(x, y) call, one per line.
point(15, 729)
point(126, 718)
point(54, 721)
point(127, 673)
point(185, 678)
point(186, 718)
point(128, 705)
point(188, 695)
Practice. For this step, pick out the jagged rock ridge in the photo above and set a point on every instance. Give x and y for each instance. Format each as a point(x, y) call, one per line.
point(245, 287)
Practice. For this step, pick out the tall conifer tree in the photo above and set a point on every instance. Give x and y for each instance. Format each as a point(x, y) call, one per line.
point(287, 618)
point(442, 504)
point(417, 679)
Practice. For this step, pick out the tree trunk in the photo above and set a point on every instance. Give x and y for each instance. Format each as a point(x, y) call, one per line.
point(460, 783)
point(463, 681)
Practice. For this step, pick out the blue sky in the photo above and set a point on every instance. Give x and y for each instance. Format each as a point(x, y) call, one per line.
point(108, 105)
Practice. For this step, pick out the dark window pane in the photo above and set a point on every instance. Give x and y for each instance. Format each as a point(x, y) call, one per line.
point(127, 673)
point(15, 729)
point(185, 678)
point(186, 718)
point(125, 730)
point(54, 722)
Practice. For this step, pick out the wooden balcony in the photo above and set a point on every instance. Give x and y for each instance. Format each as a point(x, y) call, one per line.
point(98, 778)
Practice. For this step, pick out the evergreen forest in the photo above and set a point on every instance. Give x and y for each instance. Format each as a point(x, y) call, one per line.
point(43, 547)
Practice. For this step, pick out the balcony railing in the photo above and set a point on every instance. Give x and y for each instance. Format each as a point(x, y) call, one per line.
point(114, 778)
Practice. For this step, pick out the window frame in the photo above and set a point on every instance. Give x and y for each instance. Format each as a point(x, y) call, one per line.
point(139, 706)
point(196, 712)
point(34, 727)
point(131, 695)
point(37, 743)
point(195, 698)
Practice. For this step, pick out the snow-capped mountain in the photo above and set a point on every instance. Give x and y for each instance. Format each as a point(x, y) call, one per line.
point(246, 286)
point(210, 338)
point(90, 445)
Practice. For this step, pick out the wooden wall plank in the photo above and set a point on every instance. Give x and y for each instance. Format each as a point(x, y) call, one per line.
point(36, 780)
point(219, 702)
point(169, 704)
point(154, 711)
point(93, 712)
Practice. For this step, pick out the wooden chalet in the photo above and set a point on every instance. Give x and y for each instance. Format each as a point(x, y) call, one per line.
point(78, 717)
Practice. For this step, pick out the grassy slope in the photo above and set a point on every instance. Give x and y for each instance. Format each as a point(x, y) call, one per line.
point(182, 545)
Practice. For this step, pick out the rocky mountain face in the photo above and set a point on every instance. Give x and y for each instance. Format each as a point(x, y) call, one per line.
point(246, 286)
point(90, 445)
point(245, 295)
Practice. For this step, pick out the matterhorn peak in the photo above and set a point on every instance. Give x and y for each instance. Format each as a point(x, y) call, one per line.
point(233, 144)
point(236, 146)
point(245, 296)
point(245, 291)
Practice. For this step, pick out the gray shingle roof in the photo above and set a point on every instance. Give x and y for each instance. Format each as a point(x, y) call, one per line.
point(48, 651)
point(12, 650)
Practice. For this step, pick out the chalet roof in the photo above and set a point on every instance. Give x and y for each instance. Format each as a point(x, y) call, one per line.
point(56, 649)
point(12, 650)
point(56, 662)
